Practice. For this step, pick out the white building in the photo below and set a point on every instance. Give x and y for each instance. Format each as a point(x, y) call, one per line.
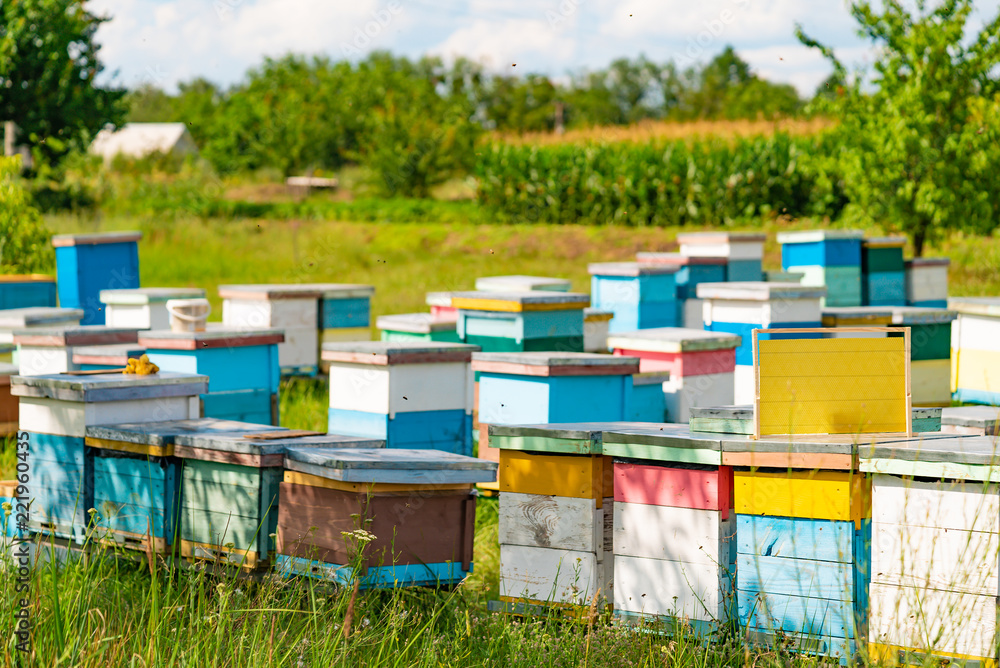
point(137, 140)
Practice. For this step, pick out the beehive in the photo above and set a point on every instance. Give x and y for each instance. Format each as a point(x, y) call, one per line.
point(935, 536)
point(416, 506)
point(783, 276)
point(883, 272)
point(229, 491)
point(673, 527)
point(56, 410)
point(344, 312)
point(42, 351)
point(36, 317)
point(142, 308)
point(242, 366)
point(596, 324)
point(971, 420)
point(829, 258)
point(440, 303)
point(649, 398)
point(975, 356)
point(739, 419)
point(27, 290)
point(521, 284)
point(113, 356)
point(412, 394)
point(701, 365)
point(525, 321)
point(739, 308)
point(641, 296)
point(137, 479)
point(89, 263)
point(418, 327)
point(927, 282)
point(743, 251)
point(690, 272)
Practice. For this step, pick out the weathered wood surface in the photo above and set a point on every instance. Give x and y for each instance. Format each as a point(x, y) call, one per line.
point(578, 438)
point(758, 292)
point(681, 534)
point(630, 269)
point(115, 354)
point(540, 520)
point(978, 450)
point(795, 577)
point(383, 353)
point(89, 335)
point(416, 323)
point(163, 433)
point(213, 337)
point(780, 613)
point(515, 302)
point(554, 364)
point(550, 575)
point(237, 443)
point(791, 460)
point(109, 387)
point(673, 340)
point(71, 418)
point(559, 475)
point(660, 587)
point(968, 506)
point(894, 655)
point(796, 538)
point(407, 388)
point(985, 419)
point(299, 478)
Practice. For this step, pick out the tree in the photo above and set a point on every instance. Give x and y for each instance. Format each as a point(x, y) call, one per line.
point(48, 69)
point(915, 135)
point(24, 241)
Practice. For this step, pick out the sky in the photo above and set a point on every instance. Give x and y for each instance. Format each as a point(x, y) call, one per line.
point(163, 42)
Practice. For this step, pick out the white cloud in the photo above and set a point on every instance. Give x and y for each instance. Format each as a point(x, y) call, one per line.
point(531, 44)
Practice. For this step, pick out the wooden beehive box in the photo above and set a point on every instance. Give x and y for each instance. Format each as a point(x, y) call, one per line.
point(674, 529)
point(743, 251)
point(975, 358)
point(883, 272)
point(50, 351)
point(935, 548)
point(927, 282)
point(242, 366)
point(143, 308)
point(137, 479)
point(55, 411)
point(641, 296)
point(418, 327)
point(521, 321)
point(690, 272)
point(19, 291)
point(416, 506)
point(36, 317)
point(412, 394)
point(971, 420)
point(596, 324)
point(229, 491)
point(89, 263)
point(830, 258)
point(739, 419)
point(106, 357)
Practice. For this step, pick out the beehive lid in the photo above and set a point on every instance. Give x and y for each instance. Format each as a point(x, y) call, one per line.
point(775, 276)
point(758, 291)
point(27, 278)
point(62, 240)
point(977, 417)
point(215, 336)
point(577, 438)
point(597, 314)
point(677, 259)
point(334, 291)
point(739, 419)
point(271, 291)
point(109, 386)
point(433, 467)
point(673, 340)
point(857, 315)
point(116, 354)
point(885, 242)
point(555, 364)
point(988, 306)
point(928, 262)
point(38, 316)
point(518, 283)
point(941, 452)
point(818, 444)
point(381, 353)
point(164, 433)
point(237, 443)
point(7, 369)
point(631, 269)
point(814, 236)
point(650, 378)
point(415, 323)
point(515, 302)
point(87, 335)
point(440, 298)
point(720, 237)
point(143, 296)
point(663, 442)
point(921, 315)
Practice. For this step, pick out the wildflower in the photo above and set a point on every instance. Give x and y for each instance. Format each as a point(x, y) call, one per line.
point(359, 535)
point(272, 536)
point(663, 649)
point(7, 508)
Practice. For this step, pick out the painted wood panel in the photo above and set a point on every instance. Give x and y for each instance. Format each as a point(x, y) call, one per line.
point(970, 506)
point(559, 475)
point(763, 313)
point(931, 382)
point(803, 391)
point(890, 655)
point(564, 523)
point(795, 577)
point(659, 587)
point(827, 495)
point(797, 614)
point(676, 487)
point(795, 538)
point(682, 534)
point(929, 620)
point(550, 575)
point(401, 388)
point(70, 418)
point(402, 575)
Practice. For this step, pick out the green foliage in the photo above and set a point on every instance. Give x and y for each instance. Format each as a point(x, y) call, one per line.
point(24, 241)
point(918, 138)
point(195, 105)
point(658, 183)
point(48, 66)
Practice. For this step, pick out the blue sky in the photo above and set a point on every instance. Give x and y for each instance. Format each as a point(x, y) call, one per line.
point(166, 41)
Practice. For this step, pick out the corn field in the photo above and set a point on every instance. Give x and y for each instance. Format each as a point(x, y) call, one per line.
point(662, 183)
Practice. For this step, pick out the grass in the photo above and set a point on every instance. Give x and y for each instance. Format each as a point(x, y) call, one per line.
point(104, 612)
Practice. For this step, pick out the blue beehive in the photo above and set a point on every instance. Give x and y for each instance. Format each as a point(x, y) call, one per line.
point(89, 263)
point(830, 258)
point(742, 251)
point(641, 296)
point(883, 272)
point(242, 366)
point(25, 290)
point(521, 321)
point(413, 394)
point(690, 272)
point(345, 312)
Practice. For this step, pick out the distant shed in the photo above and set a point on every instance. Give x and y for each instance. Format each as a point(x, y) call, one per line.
point(137, 140)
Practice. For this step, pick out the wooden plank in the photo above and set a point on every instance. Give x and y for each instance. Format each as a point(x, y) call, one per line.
point(934, 621)
point(626, 368)
point(954, 560)
point(795, 538)
point(559, 475)
point(298, 478)
point(658, 587)
point(246, 559)
point(969, 506)
point(123, 446)
point(564, 523)
point(676, 487)
point(682, 534)
point(894, 655)
point(934, 470)
point(795, 577)
point(779, 613)
point(829, 495)
point(222, 457)
point(791, 460)
point(550, 575)
point(278, 435)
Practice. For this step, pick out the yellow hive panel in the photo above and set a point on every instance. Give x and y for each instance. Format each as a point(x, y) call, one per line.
point(976, 369)
point(125, 446)
point(557, 475)
point(889, 655)
point(821, 495)
point(833, 386)
point(299, 478)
